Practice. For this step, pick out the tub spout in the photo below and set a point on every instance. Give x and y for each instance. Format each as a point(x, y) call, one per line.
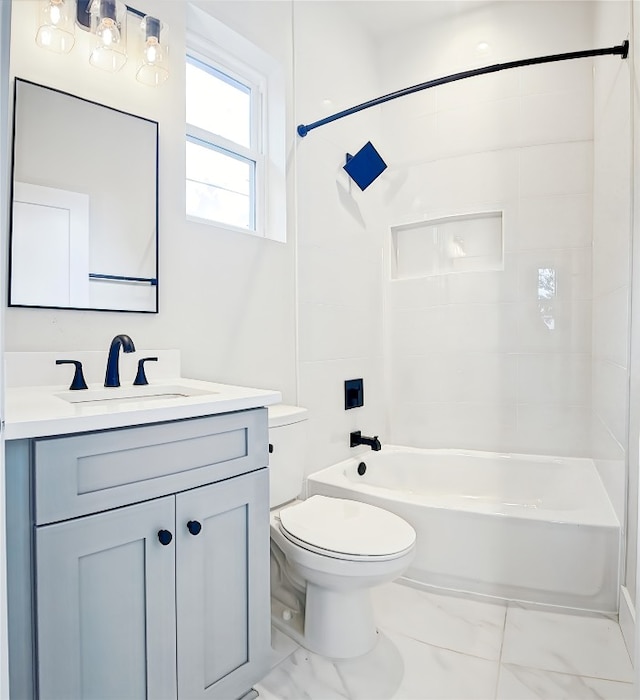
point(357, 438)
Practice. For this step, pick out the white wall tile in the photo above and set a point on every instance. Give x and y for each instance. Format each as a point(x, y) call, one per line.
point(554, 430)
point(555, 222)
point(415, 139)
point(419, 378)
point(554, 327)
point(564, 168)
point(610, 327)
point(611, 269)
point(479, 127)
point(331, 332)
point(554, 379)
point(350, 276)
point(610, 389)
point(463, 425)
point(418, 293)
point(417, 332)
point(570, 269)
point(609, 458)
point(480, 327)
point(481, 377)
point(484, 287)
point(556, 117)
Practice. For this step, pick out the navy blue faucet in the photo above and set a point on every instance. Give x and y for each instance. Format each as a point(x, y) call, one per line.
point(112, 378)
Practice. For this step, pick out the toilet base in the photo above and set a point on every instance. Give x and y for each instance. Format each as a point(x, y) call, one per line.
point(339, 624)
point(335, 624)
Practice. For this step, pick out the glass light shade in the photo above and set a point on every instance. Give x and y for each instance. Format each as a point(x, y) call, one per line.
point(109, 24)
point(56, 25)
point(154, 68)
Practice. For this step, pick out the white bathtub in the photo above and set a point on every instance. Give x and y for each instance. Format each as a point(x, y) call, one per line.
point(520, 527)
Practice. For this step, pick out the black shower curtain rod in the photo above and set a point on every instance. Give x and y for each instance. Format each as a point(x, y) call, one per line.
point(622, 51)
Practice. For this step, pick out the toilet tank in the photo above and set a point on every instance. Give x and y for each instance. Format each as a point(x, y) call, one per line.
point(287, 434)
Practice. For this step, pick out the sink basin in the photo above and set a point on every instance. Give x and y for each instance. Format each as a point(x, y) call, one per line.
point(132, 393)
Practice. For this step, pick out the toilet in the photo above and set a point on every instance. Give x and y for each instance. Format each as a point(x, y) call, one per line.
point(326, 553)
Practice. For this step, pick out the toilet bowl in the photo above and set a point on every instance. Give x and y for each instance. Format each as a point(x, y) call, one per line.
point(326, 555)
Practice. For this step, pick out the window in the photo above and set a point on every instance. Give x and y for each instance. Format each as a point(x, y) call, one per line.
point(223, 156)
point(235, 155)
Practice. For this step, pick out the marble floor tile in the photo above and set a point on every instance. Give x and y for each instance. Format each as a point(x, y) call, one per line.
point(305, 675)
point(520, 683)
point(432, 673)
point(457, 623)
point(546, 655)
point(580, 645)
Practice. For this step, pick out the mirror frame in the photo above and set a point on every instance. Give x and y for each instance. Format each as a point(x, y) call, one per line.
point(152, 281)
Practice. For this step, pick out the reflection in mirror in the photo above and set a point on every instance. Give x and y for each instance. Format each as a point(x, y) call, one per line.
point(84, 231)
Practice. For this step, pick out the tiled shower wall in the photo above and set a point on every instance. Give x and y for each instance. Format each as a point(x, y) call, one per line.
point(340, 233)
point(493, 360)
point(611, 263)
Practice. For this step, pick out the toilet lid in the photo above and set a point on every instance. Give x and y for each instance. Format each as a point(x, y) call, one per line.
point(347, 527)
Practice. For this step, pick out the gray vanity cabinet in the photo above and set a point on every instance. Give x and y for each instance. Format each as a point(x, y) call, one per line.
point(159, 597)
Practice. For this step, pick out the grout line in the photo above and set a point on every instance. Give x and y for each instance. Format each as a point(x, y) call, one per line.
point(504, 628)
point(570, 675)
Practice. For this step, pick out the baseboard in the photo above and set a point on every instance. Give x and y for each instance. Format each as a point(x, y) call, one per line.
point(627, 618)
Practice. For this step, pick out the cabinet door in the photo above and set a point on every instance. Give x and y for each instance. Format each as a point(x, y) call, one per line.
point(106, 605)
point(222, 587)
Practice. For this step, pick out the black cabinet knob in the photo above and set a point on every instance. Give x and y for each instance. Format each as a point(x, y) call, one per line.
point(165, 537)
point(194, 527)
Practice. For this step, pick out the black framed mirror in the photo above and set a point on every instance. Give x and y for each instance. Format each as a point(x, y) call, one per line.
point(84, 225)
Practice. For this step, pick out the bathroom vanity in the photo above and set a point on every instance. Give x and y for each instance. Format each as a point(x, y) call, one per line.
point(138, 544)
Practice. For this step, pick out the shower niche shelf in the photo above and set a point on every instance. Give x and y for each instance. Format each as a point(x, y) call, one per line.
point(461, 243)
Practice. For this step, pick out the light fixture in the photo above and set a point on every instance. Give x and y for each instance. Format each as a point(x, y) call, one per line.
point(109, 24)
point(55, 25)
point(106, 21)
point(154, 68)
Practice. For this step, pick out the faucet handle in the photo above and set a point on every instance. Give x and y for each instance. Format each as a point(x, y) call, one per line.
point(78, 377)
point(141, 377)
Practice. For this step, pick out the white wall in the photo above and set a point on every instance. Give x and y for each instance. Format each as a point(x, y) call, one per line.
point(226, 300)
point(340, 233)
point(477, 359)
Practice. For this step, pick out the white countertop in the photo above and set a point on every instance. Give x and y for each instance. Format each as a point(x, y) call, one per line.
point(36, 411)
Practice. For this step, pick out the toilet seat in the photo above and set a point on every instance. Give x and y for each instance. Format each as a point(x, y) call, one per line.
point(346, 529)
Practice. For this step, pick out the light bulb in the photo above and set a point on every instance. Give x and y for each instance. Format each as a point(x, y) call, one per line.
point(153, 50)
point(108, 32)
point(55, 13)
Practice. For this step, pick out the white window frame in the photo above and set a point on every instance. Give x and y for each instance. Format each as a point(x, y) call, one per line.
point(211, 39)
point(253, 154)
